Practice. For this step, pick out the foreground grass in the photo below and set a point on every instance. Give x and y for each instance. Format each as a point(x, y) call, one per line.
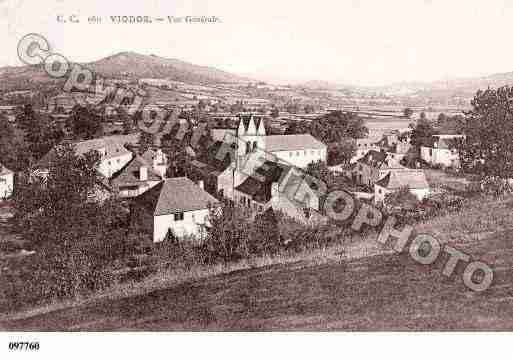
point(482, 218)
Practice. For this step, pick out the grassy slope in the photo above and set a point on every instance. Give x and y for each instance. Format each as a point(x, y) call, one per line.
point(374, 293)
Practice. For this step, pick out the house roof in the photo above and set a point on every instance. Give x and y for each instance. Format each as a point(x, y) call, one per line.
point(373, 158)
point(379, 160)
point(209, 157)
point(259, 185)
point(398, 179)
point(4, 170)
point(292, 143)
point(129, 174)
point(114, 147)
point(447, 142)
point(175, 195)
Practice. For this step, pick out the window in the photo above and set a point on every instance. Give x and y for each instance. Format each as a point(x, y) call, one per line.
point(179, 216)
point(297, 153)
point(291, 154)
point(305, 152)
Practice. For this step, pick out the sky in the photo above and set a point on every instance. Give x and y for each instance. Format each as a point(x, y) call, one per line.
point(360, 42)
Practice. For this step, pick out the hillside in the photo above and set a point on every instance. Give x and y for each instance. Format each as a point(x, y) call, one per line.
point(134, 65)
point(388, 292)
point(380, 292)
point(124, 65)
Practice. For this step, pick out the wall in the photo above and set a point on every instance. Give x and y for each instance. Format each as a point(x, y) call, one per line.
point(440, 156)
point(110, 166)
point(188, 226)
point(7, 187)
point(141, 188)
point(299, 158)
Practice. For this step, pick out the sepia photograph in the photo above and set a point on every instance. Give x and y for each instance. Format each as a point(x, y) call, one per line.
point(209, 172)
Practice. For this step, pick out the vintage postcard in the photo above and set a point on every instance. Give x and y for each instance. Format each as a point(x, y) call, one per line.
point(266, 166)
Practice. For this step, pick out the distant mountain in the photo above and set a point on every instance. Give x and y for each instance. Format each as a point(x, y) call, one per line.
point(125, 65)
point(458, 87)
point(134, 65)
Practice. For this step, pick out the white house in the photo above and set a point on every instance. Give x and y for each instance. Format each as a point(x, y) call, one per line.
point(177, 205)
point(6, 182)
point(442, 151)
point(414, 180)
point(158, 160)
point(363, 145)
point(135, 178)
point(113, 153)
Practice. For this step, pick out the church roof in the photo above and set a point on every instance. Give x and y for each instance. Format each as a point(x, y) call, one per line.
point(292, 143)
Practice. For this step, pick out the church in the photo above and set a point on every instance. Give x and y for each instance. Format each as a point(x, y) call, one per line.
point(250, 135)
point(265, 171)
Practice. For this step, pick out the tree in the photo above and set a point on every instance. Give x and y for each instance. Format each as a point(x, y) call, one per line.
point(337, 126)
point(14, 152)
point(126, 119)
point(320, 170)
point(41, 133)
point(297, 127)
point(407, 112)
point(227, 235)
point(488, 148)
point(76, 239)
point(401, 198)
point(84, 123)
point(146, 141)
point(264, 235)
point(422, 133)
point(309, 108)
point(341, 153)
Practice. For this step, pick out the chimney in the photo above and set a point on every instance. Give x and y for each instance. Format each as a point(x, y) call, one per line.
point(143, 173)
point(275, 189)
point(200, 184)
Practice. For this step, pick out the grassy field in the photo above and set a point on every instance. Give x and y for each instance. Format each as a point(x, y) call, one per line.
point(388, 292)
point(378, 292)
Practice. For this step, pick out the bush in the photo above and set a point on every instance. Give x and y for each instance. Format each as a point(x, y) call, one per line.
point(51, 275)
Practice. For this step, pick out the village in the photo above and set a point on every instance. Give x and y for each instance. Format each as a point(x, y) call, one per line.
point(100, 196)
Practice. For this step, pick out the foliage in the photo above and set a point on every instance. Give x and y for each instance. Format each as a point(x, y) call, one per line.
point(146, 141)
point(334, 127)
point(407, 112)
point(488, 149)
point(13, 149)
point(341, 153)
point(401, 198)
point(75, 239)
point(233, 236)
point(337, 126)
point(84, 123)
point(422, 133)
point(41, 132)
